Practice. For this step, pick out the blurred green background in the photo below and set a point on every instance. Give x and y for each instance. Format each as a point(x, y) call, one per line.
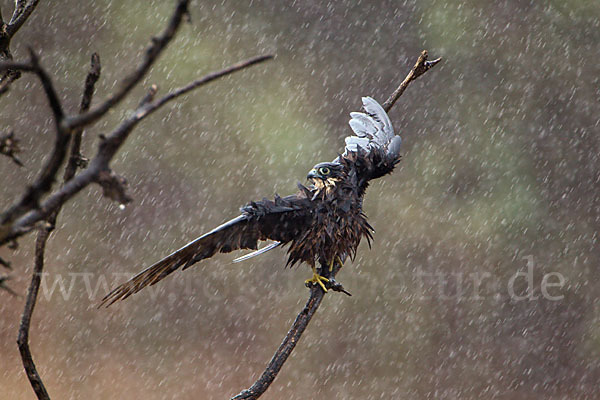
point(500, 163)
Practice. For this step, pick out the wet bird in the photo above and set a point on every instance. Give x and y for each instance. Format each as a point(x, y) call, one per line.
point(322, 223)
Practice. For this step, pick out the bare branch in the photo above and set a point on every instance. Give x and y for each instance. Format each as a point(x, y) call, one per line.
point(46, 178)
point(23, 216)
point(76, 160)
point(210, 77)
point(22, 12)
point(23, 339)
point(420, 67)
point(54, 102)
point(158, 45)
point(43, 235)
point(107, 149)
point(316, 293)
point(286, 347)
point(14, 65)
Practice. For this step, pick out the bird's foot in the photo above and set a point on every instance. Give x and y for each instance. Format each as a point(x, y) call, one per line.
point(318, 279)
point(333, 261)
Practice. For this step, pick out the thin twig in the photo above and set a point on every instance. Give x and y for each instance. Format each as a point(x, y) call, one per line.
point(211, 77)
point(286, 347)
point(66, 125)
point(76, 159)
point(107, 149)
point(316, 293)
point(420, 67)
point(43, 183)
point(23, 10)
point(154, 50)
point(23, 339)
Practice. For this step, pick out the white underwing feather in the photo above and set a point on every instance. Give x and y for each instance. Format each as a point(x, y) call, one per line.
point(372, 129)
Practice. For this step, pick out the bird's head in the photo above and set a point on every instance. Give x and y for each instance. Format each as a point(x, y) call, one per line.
point(325, 175)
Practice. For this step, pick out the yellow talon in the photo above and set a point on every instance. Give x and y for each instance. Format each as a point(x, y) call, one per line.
point(333, 260)
point(318, 279)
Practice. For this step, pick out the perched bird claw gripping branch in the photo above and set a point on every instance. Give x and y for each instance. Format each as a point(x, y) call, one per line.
point(322, 223)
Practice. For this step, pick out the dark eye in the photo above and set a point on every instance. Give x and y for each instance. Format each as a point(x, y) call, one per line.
point(324, 171)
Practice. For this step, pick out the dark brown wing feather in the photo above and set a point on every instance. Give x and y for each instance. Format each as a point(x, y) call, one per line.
point(282, 220)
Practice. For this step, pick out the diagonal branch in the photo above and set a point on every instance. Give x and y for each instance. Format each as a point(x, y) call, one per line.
point(64, 128)
point(106, 151)
point(286, 347)
point(211, 77)
point(23, 339)
point(316, 293)
point(44, 181)
point(420, 67)
point(23, 10)
point(156, 48)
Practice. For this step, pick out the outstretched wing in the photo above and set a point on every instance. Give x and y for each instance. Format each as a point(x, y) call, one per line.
point(281, 220)
point(374, 147)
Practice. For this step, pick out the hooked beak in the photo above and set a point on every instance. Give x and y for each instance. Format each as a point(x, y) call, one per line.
point(313, 174)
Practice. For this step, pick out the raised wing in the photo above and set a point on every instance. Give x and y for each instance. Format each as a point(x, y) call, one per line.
point(374, 141)
point(281, 220)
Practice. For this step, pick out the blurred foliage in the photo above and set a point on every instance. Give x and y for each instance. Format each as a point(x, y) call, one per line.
point(501, 163)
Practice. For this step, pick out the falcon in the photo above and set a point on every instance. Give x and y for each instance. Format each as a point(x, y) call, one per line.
point(322, 223)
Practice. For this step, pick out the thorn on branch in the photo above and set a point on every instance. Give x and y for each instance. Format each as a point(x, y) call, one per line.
point(337, 287)
point(114, 186)
point(9, 146)
point(149, 96)
point(82, 162)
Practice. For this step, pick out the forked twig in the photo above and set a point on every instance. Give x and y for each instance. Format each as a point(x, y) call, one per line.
point(29, 212)
point(107, 149)
point(40, 247)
